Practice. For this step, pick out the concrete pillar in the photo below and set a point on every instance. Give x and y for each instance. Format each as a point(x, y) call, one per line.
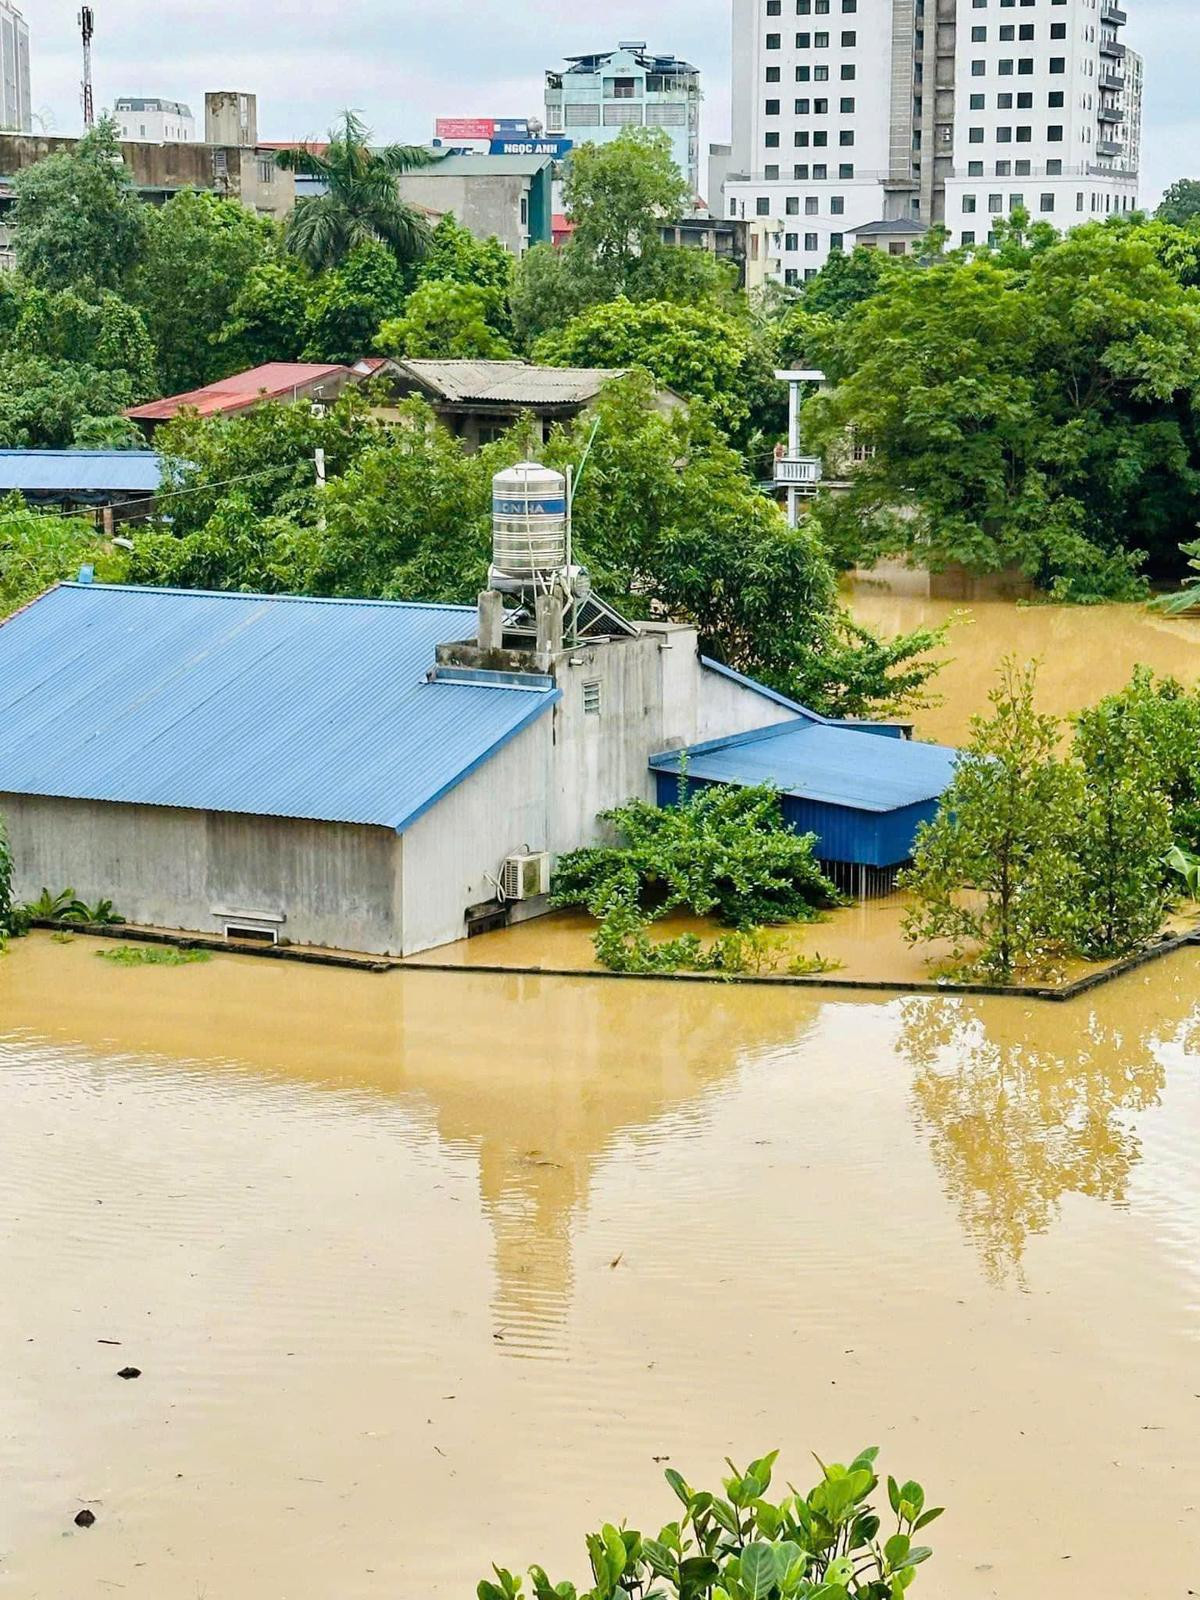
point(491, 620)
point(548, 612)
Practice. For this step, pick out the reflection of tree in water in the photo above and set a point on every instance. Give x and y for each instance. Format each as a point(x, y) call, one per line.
point(1024, 1106)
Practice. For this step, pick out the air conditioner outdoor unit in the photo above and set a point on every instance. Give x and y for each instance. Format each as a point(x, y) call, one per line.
point(525, 876)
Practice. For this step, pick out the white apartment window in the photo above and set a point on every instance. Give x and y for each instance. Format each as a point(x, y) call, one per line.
point(792, 205)
point(1047, 202)
point(835, 241)
point(810, 205)
point(791, 242)
point(968, 202)
point(810, 241)
point(837, 204)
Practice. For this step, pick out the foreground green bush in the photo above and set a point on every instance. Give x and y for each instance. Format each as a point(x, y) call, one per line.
point(720, 852)
point(741, 1546)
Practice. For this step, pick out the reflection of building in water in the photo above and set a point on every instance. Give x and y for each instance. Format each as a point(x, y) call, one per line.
point(532, 1078)
point(1024, 1105)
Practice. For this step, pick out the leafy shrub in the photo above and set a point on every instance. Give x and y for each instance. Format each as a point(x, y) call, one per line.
point(7, 910)
point(723, 852)
point(741, 1546)
point(132, 955)
point(1168, 716)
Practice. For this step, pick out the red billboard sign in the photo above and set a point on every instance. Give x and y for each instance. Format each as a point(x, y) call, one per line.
point(465, 127)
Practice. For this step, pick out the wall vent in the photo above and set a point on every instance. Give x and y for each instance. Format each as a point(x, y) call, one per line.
point(593, 698)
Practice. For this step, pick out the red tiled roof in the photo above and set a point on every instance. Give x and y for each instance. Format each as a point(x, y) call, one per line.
point(275, 381)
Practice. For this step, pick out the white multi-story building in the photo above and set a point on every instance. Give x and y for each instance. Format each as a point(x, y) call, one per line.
point(848, 114)
point(16, 106)
point(594, 97)
point(154, 121)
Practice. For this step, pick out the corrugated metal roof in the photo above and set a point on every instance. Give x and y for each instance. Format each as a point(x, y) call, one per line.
point(273, 381)
point(509, 382)
point(42, 471)
point(818, 761)
point(269, 706)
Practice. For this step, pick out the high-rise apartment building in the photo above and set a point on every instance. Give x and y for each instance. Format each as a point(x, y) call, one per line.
point(594, 97)
point(16, 105)
point(852, 113)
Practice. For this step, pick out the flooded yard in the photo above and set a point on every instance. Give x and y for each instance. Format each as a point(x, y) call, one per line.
point(425, 1269)
point(1085, 652)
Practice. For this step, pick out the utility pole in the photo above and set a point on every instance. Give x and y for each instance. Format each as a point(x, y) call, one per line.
point(87, 27)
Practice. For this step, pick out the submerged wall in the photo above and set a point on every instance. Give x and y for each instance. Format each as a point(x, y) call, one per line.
point(337, 885)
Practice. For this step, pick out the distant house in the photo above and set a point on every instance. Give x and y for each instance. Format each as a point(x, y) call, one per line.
point(290, 381)
point(69, 479)
point(479, 400)
point(507, 197)
point(900, 236)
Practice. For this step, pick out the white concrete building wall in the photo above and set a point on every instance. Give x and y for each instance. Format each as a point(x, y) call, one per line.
point(811, 123)
point(946, 107)
point(544, 790)
point(16, 105)
point(1034, 108)
point(141, 121)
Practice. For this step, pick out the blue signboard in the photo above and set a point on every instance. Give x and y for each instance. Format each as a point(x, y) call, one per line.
point(556, 148)
point(510, 128)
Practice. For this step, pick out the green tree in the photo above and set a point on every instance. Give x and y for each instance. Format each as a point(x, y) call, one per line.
point(1122, 835)
point(351, 303)
point(1167, 717)
point(47, 404)
point(457, 256)
point(1181, 203)
point(38, 549)
point(994, 872)
point(700, 354)
point(618, 195)
point(361, 204)
point(199, 251)
point(268, 319)
point(103, 332)
point(448, 320)
point(77, 221)
point(1031, 410)
point(847, 280)
point(550, 287)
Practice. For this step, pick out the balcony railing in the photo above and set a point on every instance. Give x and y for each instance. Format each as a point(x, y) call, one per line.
point(1110, 114)
point(1113, 14)
point(1108, 147)
point(1113, 48)
point(798, 472)
point(1111, 80)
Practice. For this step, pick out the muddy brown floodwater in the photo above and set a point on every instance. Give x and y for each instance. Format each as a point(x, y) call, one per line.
point(423, 1269)
point(1084, 652)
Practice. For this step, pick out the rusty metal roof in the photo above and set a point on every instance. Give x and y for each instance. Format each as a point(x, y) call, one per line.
point(277, 380)
point(508, 382)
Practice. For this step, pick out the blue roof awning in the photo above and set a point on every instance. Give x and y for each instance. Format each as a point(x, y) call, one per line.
point(84, 471)
point(255, 704)
point(824, 762)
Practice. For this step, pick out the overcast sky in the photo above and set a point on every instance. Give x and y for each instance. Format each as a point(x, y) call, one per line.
point(404, 62)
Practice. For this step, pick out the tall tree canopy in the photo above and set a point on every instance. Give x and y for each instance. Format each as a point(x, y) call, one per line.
point(1181, 203)
point(199, 251)
point(1034, 406)
point(77, 222)
point(361, 204)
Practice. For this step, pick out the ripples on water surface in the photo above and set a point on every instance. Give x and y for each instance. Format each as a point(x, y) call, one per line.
point(426, 1269)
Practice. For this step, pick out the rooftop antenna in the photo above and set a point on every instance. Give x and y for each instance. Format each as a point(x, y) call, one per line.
point(87, 27)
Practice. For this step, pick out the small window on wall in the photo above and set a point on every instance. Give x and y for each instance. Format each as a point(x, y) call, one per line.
point(593, 697)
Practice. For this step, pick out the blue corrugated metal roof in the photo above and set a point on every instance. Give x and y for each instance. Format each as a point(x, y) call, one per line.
point(820, 761)
point(92, 471)
point(264, 705)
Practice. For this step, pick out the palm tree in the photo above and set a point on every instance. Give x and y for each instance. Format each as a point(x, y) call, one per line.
point(360, 202)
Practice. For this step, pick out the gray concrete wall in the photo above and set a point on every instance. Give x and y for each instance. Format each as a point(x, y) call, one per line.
point(337, 885)
point(485, 205)
point(453, 854)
